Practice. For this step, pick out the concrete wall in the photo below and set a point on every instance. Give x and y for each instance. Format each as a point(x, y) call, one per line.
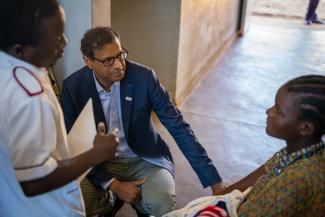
point(205, 30)
point(78, 20)
point(149, 30)
point(101, 13)
point(81, 15)
point(180, 39)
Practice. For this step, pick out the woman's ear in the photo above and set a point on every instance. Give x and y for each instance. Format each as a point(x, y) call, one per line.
point(307, 128)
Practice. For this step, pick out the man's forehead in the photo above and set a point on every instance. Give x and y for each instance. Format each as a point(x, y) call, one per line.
point(109, 49)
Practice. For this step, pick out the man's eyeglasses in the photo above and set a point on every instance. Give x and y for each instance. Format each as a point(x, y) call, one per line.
point(110, 60)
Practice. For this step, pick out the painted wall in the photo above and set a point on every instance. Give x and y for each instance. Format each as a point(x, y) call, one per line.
point(101, 13)
point(81, 15)
point(180, 39)
point(206, 28)
point(78, 20)
point(149, 30)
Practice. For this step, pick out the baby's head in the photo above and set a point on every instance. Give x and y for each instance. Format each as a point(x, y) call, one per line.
point(299, 109)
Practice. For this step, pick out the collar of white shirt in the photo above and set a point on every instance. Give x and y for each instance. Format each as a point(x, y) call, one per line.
point(99, 86)
point(14, 62)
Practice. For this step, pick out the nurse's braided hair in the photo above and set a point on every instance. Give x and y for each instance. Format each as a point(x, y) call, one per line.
point(20, 21)
point(310, 98)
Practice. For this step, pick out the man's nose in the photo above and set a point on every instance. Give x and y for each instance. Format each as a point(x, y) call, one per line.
point(117, 63)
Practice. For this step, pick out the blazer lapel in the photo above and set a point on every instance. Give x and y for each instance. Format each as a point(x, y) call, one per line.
point(126, 95)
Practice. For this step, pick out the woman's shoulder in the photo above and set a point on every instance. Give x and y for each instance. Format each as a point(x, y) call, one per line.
point(308, 171)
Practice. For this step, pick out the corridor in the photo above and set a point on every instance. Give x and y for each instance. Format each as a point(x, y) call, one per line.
point(227, 109)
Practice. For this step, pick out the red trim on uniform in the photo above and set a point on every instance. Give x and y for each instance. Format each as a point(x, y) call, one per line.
point(31, 73)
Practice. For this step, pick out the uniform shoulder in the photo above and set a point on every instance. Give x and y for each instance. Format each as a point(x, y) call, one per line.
point(309, 170)
point(27, 80)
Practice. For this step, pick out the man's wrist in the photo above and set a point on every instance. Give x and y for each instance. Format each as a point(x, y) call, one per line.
point(106, 185)
point(217, 187)
point(112, 186)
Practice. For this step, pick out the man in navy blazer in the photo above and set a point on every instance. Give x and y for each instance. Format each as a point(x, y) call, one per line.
point(124, 95)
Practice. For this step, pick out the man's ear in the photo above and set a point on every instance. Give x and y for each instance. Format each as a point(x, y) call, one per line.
point(88, 61)
point(307, 128)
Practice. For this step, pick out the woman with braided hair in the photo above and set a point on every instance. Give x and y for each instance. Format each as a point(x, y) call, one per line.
point(292, 182)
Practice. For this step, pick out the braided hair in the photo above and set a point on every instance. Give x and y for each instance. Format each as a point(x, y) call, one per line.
point(20, 21)
point(310, 98)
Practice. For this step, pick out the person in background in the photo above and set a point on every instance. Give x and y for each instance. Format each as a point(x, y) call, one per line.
point(33, 139)
point(311, 16)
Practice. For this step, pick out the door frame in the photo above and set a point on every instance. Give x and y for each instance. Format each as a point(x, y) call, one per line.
point(242, 21)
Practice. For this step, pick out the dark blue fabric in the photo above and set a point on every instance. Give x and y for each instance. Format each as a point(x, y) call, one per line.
point(141, 84)
point(311, 12)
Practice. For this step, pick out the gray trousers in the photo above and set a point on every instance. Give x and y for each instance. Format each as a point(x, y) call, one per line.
point(158, 192)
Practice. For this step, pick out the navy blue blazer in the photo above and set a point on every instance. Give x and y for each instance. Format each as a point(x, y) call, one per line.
point(141, 93)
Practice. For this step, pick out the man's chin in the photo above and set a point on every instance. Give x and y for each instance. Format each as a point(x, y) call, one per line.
point(118, 78)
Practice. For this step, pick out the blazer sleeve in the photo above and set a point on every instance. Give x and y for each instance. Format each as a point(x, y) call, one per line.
point(98, 174)
point(181, 131)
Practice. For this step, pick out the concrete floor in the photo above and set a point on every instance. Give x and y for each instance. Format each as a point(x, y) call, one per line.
point(286, 8)
point(227, 109)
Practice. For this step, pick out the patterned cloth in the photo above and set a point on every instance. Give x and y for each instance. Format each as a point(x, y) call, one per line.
point(293, 186)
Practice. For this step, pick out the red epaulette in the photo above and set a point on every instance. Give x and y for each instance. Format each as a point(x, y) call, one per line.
point(20, 71)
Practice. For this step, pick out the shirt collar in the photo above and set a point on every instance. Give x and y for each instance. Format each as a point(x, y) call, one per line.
point(14, 62)
point(99, 87)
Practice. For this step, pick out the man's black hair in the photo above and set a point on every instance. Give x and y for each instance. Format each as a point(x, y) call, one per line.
point(96, 38)
point(20, 21)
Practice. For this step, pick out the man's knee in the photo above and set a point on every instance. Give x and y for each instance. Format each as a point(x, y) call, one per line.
point(159, 203)
point(158, 193)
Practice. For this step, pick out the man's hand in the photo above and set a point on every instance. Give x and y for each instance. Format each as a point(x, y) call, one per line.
point(218, 188)
point(129, 192)
point(246, 182)
point(105, 145)
point(67, 170)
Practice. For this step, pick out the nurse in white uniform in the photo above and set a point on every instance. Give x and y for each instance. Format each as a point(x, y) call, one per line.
point(32, 130)
point(33, 141)
point(11, 191)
